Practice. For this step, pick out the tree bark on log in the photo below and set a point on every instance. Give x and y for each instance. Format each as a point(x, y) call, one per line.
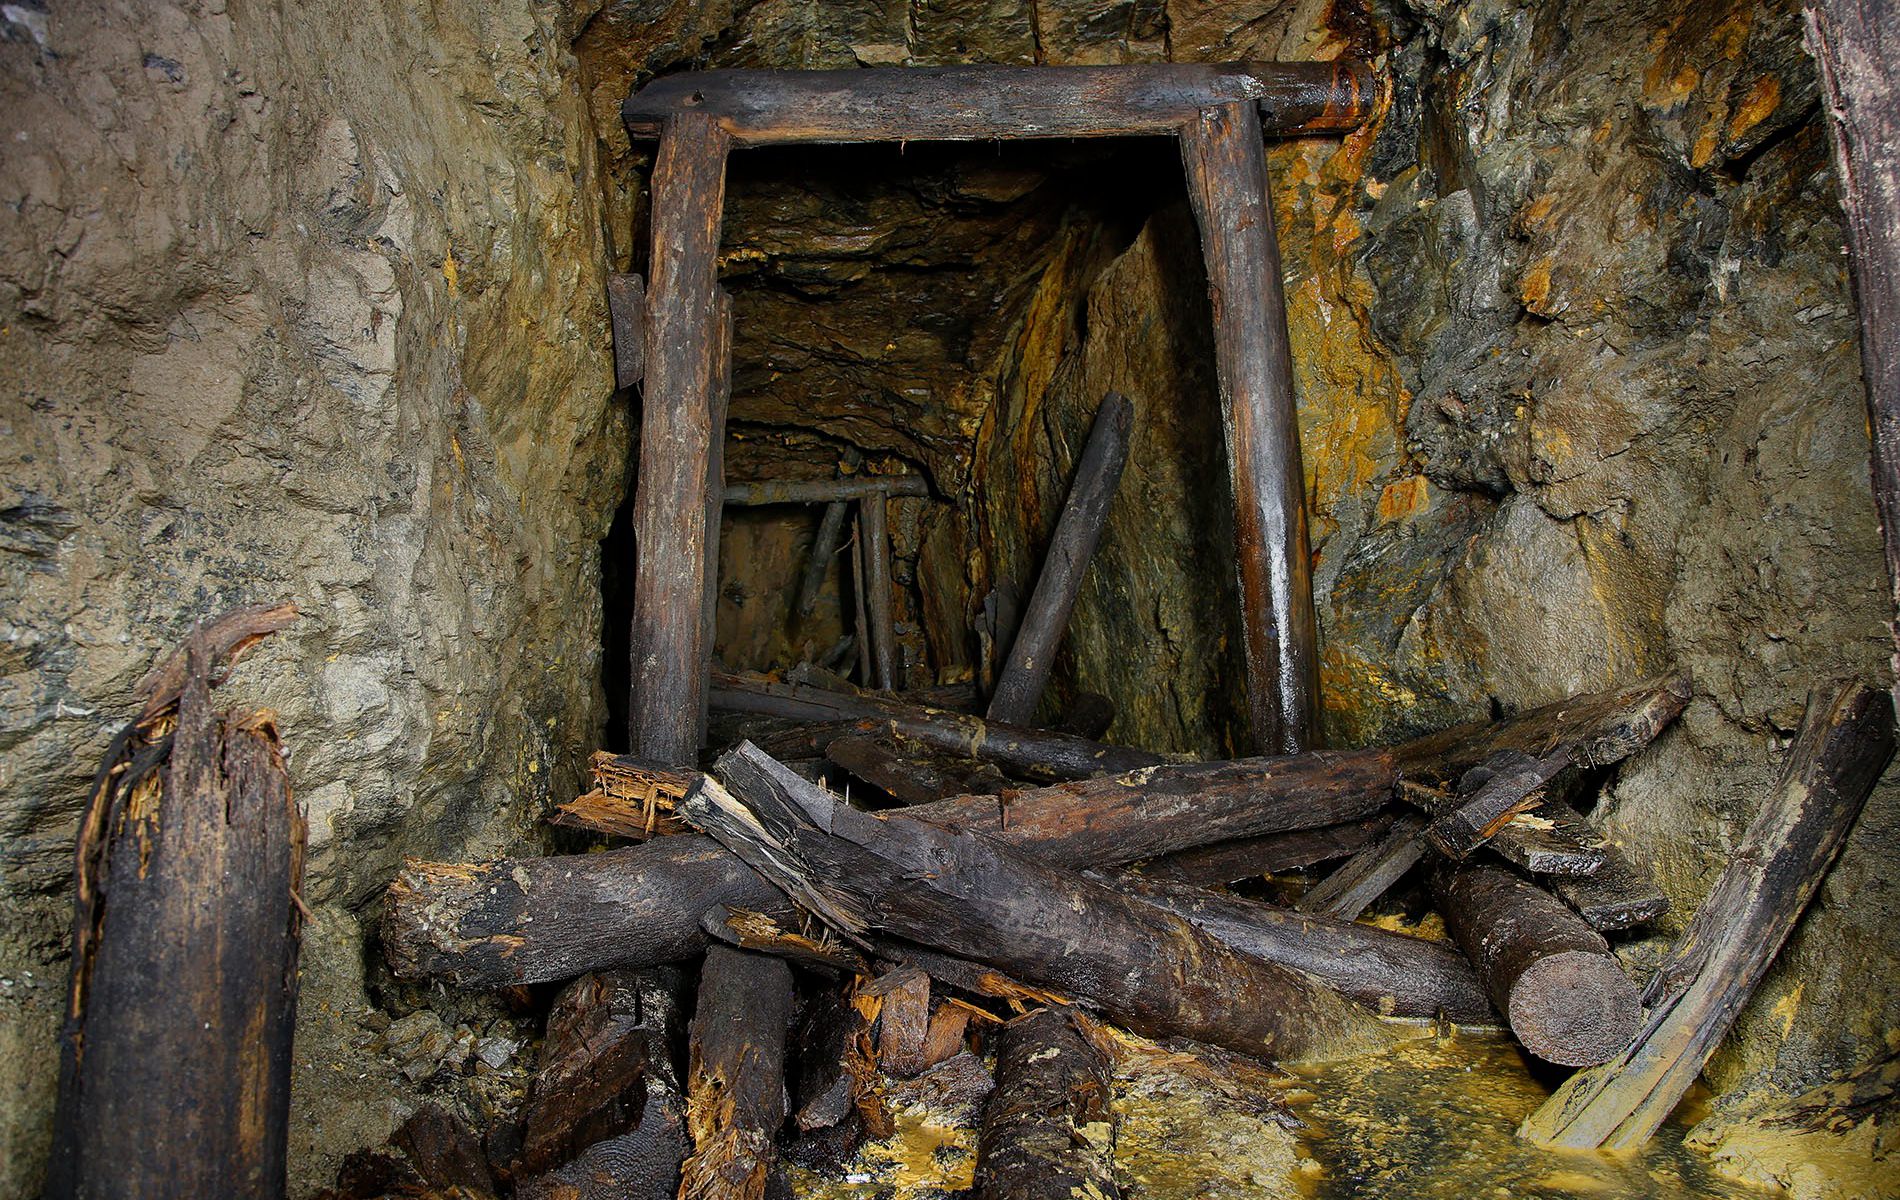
point(1078, 530)
point(667, 649)
point(1147, 968)
point(1390, 973)
point(175, 1056)
point(1553, 977)
point(1845, 743)
point(1227, 184)
point(1048, 1126)
point(1856, 44)
point(735, 1090)
point(533, 919)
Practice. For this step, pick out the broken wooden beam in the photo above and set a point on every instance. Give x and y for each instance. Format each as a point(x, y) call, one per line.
point(1148, 969)
point(174, 1075)
point(1390, 973)
point(1617, 895)
point(1227, 184)
point(1034, 753)
point(1078, 530)
point(667, 641)
point(1048, 1128)
point(735, 1089)
point(1563, 993)
point(986, 103)
point(627, 318)
point(531, 919)
point(1514, 786)
point(1369, 874)
point(824, 491)
point(874, 544)
point(824, 545)
point(1705, 981)
point(1855, 44)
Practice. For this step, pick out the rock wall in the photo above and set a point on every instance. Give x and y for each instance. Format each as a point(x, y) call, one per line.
point(297, 301)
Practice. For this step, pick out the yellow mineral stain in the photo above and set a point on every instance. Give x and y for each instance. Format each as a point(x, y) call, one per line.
point(1705, 146)
point(1788, 1007)
point(1760, 102)
point(1535, 290)
point(449, 271)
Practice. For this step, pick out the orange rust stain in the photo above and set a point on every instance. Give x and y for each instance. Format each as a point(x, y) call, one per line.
point(1705, 146)
point(1538, 211)
point(1535, 289)
point(1761, 101)
point(1402, 498)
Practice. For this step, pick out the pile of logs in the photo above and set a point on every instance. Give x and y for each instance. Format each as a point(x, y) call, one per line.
point(957, 907)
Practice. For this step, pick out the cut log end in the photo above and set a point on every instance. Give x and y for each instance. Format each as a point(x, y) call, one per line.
point(1575, 1009)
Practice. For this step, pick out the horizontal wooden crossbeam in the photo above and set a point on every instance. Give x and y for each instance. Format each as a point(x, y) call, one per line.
point(981, 103)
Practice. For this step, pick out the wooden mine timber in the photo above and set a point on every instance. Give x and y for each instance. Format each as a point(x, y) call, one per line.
point(876, 548)
point(1148, 969)
point(1097, 474)
point(1352, 888)
point(715, 490)
point(911, 777)
point(174, 1074)
point(1048, 1127)
point(1552, 976)
point(1856, 44)
point(985, 103)
point(1249, 858)
point(824, 491)
point(824, 546)
point(735, 1089)
point(627, 316)
point(1227, 183)
point(1390, 973)
point(1472, 821)
point(1617, 895)
point(1708, 976)
point(532, 919)
point(1036, 753)
point(667, 643)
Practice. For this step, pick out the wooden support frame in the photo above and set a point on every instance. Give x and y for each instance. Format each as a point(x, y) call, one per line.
point(1220, 113)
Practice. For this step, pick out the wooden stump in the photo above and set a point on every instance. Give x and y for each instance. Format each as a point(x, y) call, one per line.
point(735, 1091)
point(1048, 1127)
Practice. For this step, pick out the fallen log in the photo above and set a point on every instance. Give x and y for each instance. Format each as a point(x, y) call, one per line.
point(735, 1089)
point(532, 919)
point(174, 1075)
point(1352, 888)
point(1390, 973)
point(1845, 743)
point(1148, 969)
point(1033, 753)
point(1048, 1128)
point(1249, 858)
point(1553, 977)
point(909, 773)
point(1078, 530)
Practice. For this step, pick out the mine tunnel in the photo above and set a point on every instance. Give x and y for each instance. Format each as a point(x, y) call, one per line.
point(1135, 599)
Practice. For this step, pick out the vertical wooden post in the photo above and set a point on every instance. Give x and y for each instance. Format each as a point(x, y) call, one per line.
point(1856, 44)
point(667, 643)
point(824, 547)
point(1227, 182)
point(1078, 530)
point(715, 493)
point(877, 586)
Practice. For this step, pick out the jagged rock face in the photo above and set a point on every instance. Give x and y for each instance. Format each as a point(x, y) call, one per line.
point(305, 300)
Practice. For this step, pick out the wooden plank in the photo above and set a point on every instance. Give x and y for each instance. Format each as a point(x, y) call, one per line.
point(1227, 183)
point(676, 442)
point(627, 317)
point(876, 547)
point(1856, 44)
point(531, 919)
point(985, 103)
point(1048, 1128)
point(1078, 530)
point(174, 1075)
point(1846, 741)
point(735, 1088)
point(970, 896)
point(1352, 889)
point(1553, 977)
